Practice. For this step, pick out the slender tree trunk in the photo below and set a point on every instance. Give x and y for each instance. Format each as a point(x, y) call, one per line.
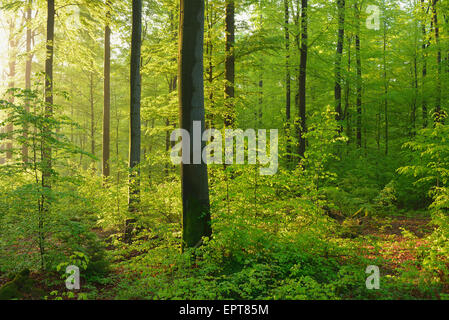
point(415, 95)
point(338, 58)
point(347, 112)
point(230, 64)
point(2, 148)
point(359, 77)
point(46, 150)
point(438, 114)
point(107, 97)
point(28, 66)
point(46, 182)
point(135, 124)
point(287, 78)
point(301, 128)
point(195, 190)
point(11, 84)
point(209, 53)
point(92, 114)
point(385, 87)
point(425, 45)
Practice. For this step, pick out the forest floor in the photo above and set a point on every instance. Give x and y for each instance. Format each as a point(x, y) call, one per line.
point(397, 240)
point(393, 243)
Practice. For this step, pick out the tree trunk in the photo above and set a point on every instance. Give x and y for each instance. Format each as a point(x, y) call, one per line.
point(28, 66)
point(385, 86)
point(230, 64)
point(46, 150)
point(359, 78)
point(338, 58)
point(425, 45)
point(438, 115)
point(107, 97)
point(11, 84)
point(347, 113)
point(195, 190)
point(92, 114)
point(135, 124)
point(301, 127)
point(287, 77)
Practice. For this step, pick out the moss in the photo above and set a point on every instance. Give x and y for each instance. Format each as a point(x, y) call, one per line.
point(21, 286)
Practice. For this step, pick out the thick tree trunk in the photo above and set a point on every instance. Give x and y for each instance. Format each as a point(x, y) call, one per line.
point(195, 190)
point(135, 123)
point(107, 98)
point(338, 58)
point(230, 64)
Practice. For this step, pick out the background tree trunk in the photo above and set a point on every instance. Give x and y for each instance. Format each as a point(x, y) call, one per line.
point(28, 67)
point(359, 77)
point(439, 66)
point(287, 78)
point(107, 97)
point(11, 75)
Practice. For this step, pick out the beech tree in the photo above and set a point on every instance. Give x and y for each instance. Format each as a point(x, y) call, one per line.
point(194, 179)
point(135, 123)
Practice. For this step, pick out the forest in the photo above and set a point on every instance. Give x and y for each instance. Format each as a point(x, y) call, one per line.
point(224, 150)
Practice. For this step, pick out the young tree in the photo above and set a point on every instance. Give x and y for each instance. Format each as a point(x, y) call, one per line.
point(195, 189)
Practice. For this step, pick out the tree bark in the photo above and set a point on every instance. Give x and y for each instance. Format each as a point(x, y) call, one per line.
point(11, 84)
point(425, 45)
point(46, 150)
point(230, 64)
point(438, 115)
point(385, 87)
point(287, 77)
point(107, 97)
point(135, 122)
point(340, 42)
point(301, 127)
point(195, 190)
point(28, 67)
point(92, 113)
point(359, 77)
